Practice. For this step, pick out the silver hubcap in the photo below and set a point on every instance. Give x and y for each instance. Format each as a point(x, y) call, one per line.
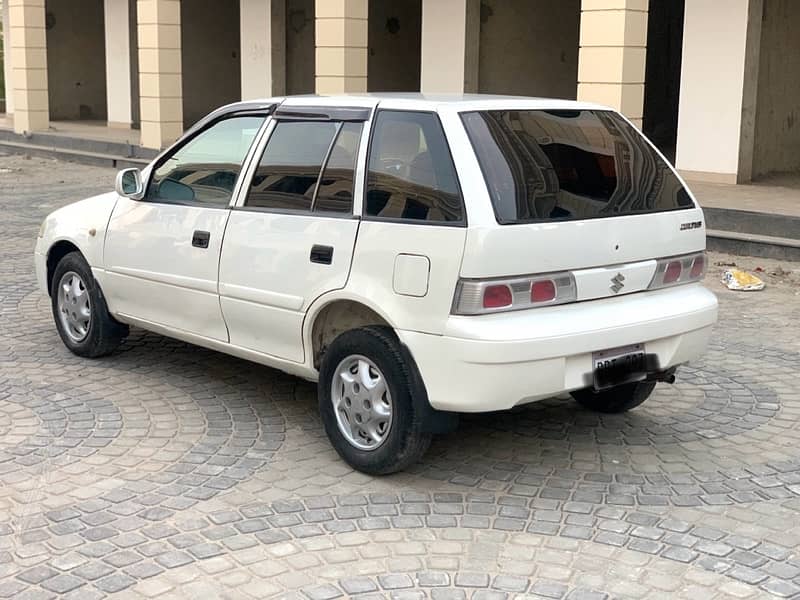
point(362, 402)
point(74, 306)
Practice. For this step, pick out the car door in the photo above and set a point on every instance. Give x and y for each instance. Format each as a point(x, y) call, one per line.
point(292, 238)
point(162, 252)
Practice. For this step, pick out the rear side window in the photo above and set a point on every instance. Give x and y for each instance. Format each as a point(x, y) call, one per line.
point(569, 165)
point(411, 176)
point(287, 174)
point(335, 191)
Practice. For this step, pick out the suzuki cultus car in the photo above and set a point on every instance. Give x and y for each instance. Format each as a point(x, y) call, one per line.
point(417, 256)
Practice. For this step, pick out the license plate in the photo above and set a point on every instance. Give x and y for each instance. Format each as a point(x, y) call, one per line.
point(617, 366)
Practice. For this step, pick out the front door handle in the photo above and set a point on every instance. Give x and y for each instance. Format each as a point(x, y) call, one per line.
point(322, 255)
point(200, 239)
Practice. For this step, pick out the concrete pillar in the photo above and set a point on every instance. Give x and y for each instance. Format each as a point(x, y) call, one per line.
point(719, 81)
point(263, 48)
point(29, 66)
point(9, 88)
point(450, 38)
point(613, 48)
point(341, 46)
point(160, 88)
point(118, 62)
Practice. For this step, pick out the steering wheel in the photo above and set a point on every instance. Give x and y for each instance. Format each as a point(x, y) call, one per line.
point(393, 166)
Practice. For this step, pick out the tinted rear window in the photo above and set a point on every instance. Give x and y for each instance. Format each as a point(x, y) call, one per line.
point(568, 165)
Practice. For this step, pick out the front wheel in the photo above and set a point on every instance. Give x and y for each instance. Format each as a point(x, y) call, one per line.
point(366, 402)
point(80, 310)
point(617, 399)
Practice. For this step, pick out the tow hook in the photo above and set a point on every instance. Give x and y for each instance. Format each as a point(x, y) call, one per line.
point(667, 376)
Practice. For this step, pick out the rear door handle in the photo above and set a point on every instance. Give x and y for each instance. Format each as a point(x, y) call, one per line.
point(200, 239)
point(322, 255)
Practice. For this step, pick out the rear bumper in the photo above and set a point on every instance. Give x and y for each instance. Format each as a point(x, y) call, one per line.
point(495, 362)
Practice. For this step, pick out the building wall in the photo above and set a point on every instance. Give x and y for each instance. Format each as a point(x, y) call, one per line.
point(713, 83)
point(395, 35)
point(210, 55)
point(134, 58)
point(5, 71)
point(76, 67)
point(529, 47)
point(300, 46)
point(777, 129)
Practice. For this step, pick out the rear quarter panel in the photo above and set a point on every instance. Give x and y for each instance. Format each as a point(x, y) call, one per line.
point(373, 271)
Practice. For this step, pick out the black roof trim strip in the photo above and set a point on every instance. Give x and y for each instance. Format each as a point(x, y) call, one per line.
point(235, 110)
point(323, 113)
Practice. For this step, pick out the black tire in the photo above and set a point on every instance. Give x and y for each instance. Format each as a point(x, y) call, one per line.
point(615, 400)
point(104, 333)
point(406, 441)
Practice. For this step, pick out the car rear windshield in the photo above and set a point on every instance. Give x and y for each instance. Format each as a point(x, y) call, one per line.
point(555, 165)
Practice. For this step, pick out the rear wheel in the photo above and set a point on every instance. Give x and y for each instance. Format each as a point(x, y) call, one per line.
point(80, 310)
point(366, 402)
point(617, 399)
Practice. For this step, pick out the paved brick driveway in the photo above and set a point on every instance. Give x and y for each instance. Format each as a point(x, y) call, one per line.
point(168, 470)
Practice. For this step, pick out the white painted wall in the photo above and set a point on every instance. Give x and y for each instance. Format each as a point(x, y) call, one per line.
point(9, 92)
point(450, 37)
point(712, 87)
point(263, 48)
point(118, 64)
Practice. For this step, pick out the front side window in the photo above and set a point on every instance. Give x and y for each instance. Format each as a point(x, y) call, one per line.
point(411, 175)
point(204, 170)
point(543, 165)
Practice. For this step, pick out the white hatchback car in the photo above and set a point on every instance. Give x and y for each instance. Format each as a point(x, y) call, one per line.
point(418, 256)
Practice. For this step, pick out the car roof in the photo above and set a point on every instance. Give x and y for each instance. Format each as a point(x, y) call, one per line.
point(419, 101)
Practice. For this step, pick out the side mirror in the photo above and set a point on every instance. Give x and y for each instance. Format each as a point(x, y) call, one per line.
point(129, 184)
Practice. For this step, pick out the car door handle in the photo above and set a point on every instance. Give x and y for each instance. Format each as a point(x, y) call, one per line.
point(200, 239)
point(322, 255)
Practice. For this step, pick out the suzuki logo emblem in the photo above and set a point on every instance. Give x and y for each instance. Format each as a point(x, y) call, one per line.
point(616, 283)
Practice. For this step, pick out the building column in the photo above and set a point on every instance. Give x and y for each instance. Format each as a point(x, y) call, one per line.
point(9, 88)
point(160, 88)
point(450, 38)
point(613, 48)
point(341, 41)
point(29, 66)
point(719, 83)
point(263, 48)
point(118, 63)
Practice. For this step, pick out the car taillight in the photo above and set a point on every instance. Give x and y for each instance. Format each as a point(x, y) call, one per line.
point(476, 297)
point(497, 296)
point(673, 272)
point(698, 267)
point(679, 269)
point(543, 291)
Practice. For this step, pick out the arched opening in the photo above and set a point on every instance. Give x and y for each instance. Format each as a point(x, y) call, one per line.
point(76, 67)
point(663, 74)
point(300, 58)
point(395, 36)
point(211, 64)
point(529, 47)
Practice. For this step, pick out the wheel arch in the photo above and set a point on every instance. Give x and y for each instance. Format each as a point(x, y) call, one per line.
point(55, 253)
point(333, 315)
